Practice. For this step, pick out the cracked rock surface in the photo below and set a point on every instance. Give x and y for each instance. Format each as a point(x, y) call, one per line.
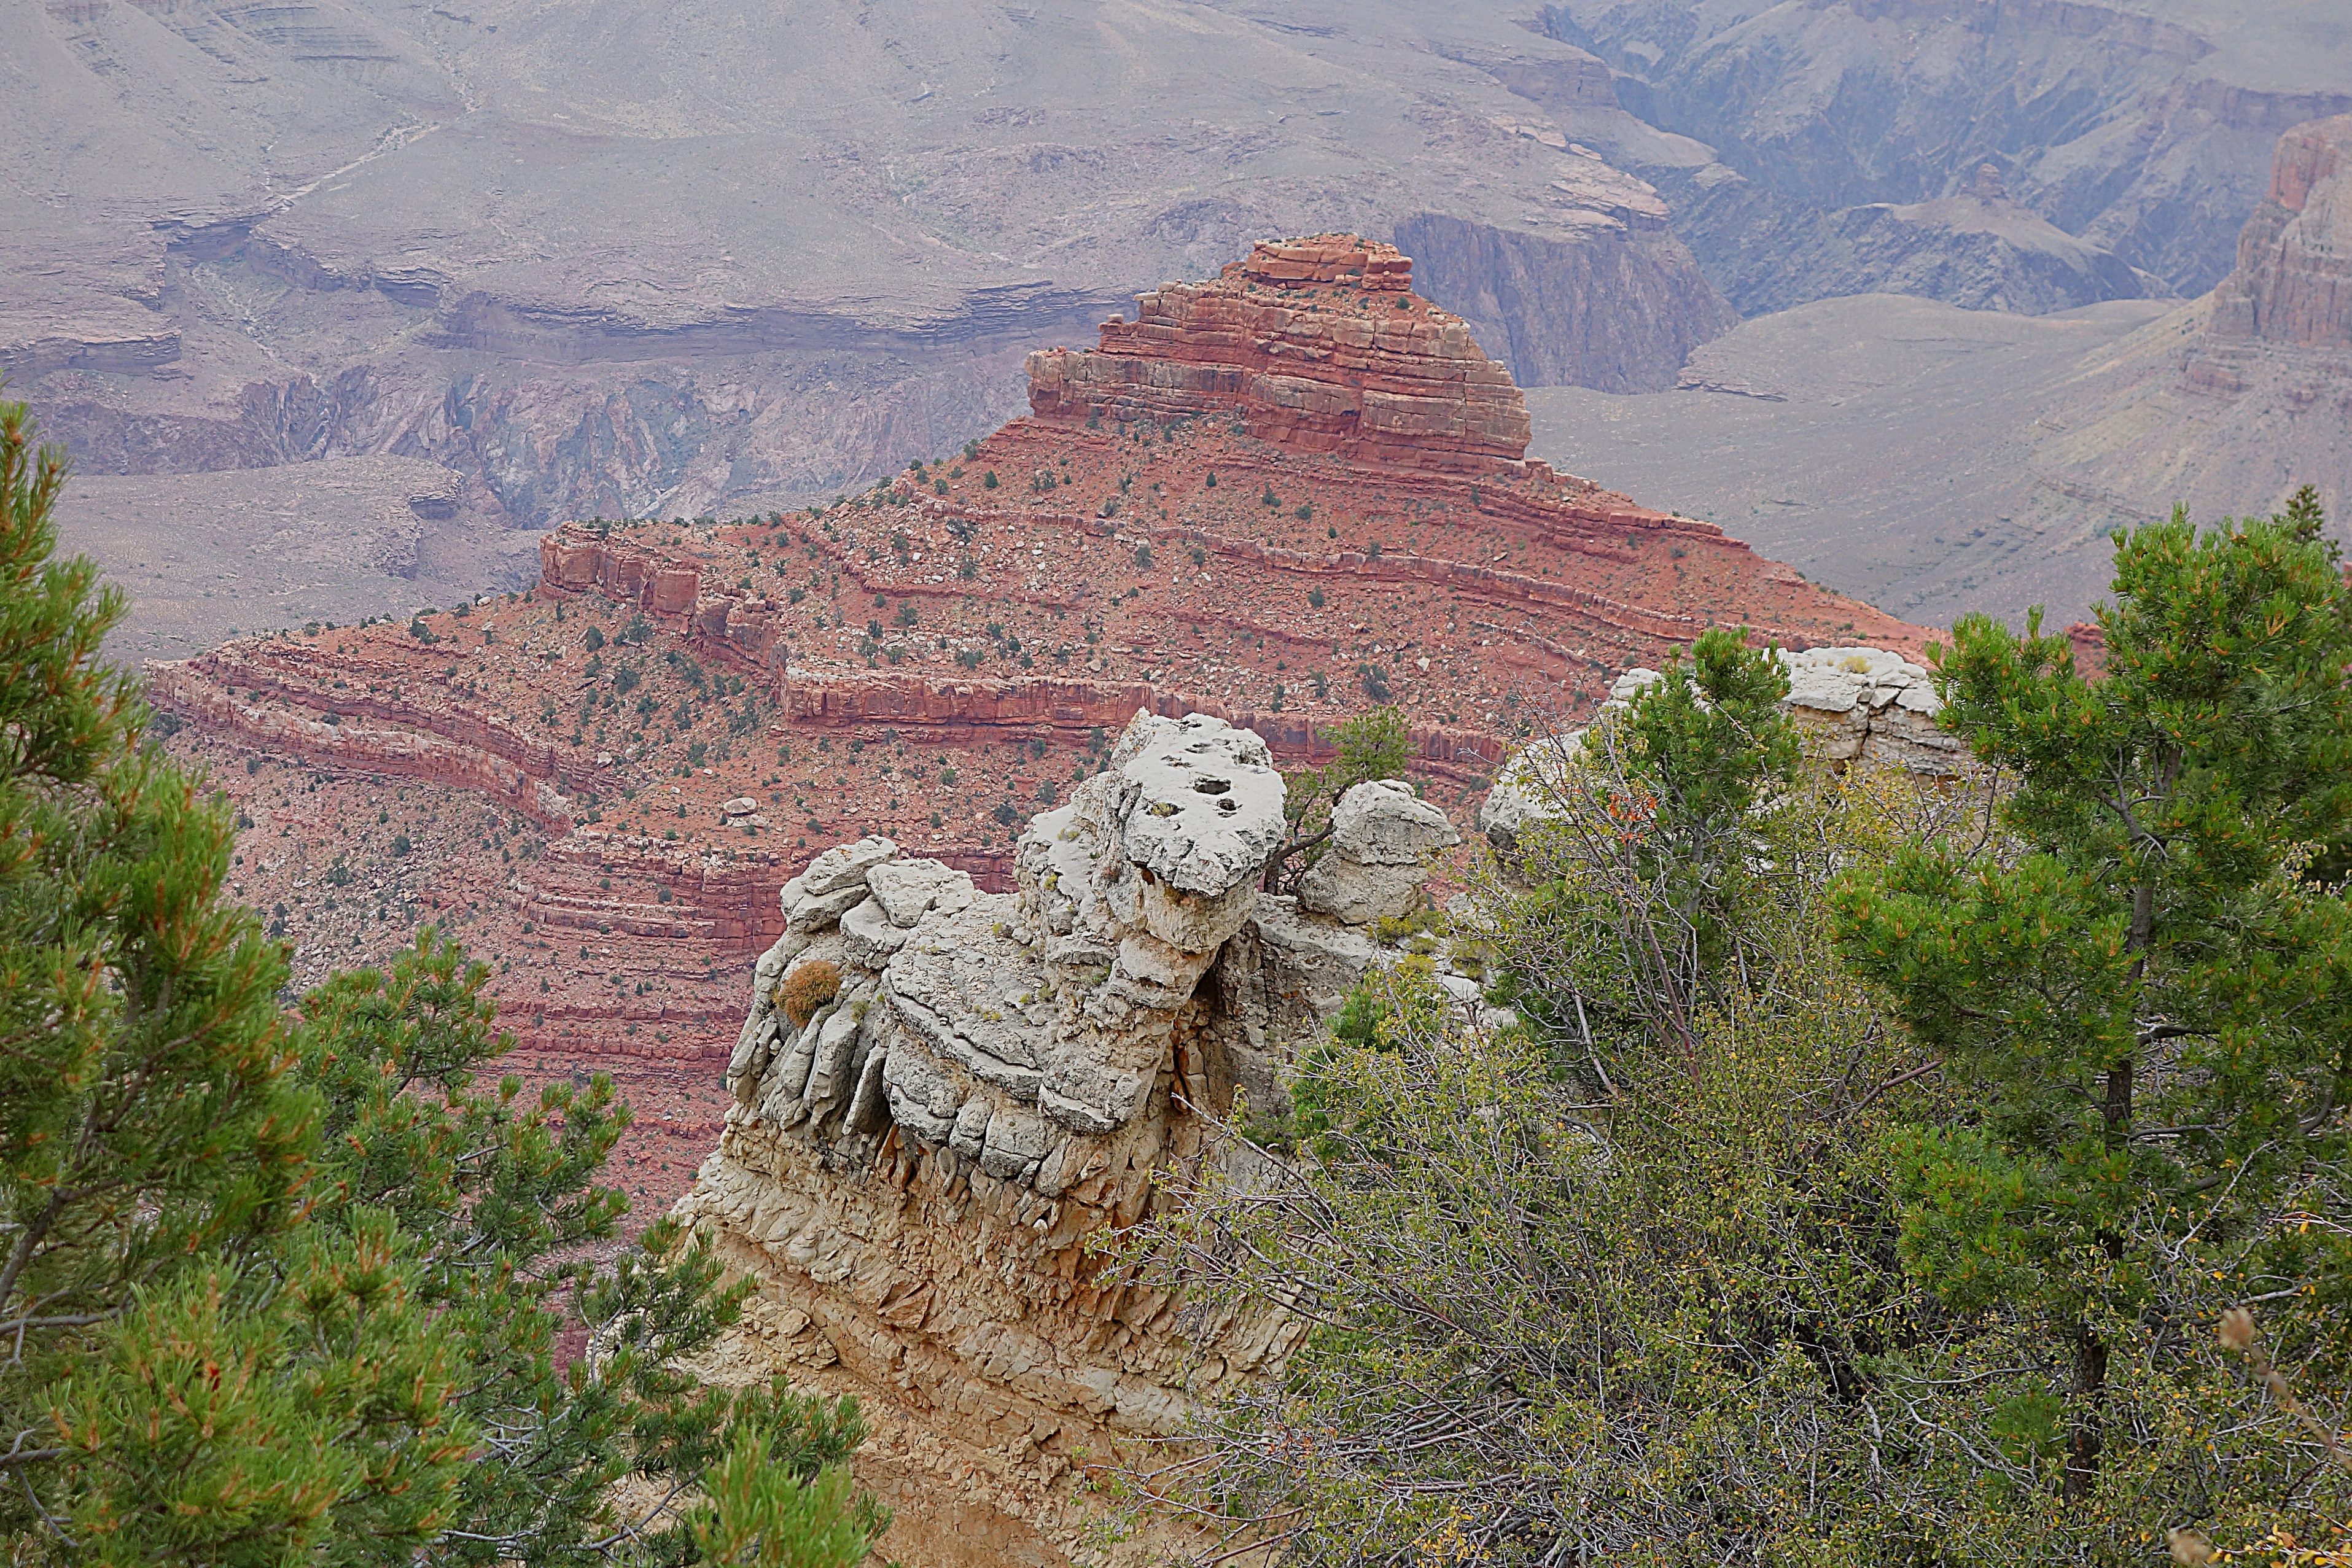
point(911, 1172)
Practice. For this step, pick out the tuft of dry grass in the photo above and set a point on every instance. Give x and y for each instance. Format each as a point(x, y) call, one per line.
point(808, 987)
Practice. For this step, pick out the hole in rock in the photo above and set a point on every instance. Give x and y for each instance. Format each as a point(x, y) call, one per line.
point(1211, 786)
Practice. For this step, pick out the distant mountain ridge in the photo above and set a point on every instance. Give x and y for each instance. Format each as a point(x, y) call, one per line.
point(2141, 129)
point(1936, 461)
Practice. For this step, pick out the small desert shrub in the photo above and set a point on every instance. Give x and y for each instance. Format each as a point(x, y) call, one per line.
point(809, 987)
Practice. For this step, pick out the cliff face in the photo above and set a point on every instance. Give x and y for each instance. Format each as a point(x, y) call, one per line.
point(912, 1172)
point(605, 781)
point(2231, 404)
point(1610, 305)
point(2293, 284)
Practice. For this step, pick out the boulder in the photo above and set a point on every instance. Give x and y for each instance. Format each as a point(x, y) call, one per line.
point(1381, 838)
point(907, 888)
point(1200, 803)
point(1523, 786)
point(1384, 824)
point(1154, 865)
point(846, 866)
point(1357, 895)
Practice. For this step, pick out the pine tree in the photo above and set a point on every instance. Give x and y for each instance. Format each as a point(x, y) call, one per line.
point(1650, 852)
point(2154, 1013)
point(185, 1377)
point(498, 1194)
point(228, 1340)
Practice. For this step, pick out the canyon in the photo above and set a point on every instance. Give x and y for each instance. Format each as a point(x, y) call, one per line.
point(711, 264)
point(1936, 461)
point(1289, 495)
point(620, 488)
point(546, 263)
point(904, 860)
point(1823, 148)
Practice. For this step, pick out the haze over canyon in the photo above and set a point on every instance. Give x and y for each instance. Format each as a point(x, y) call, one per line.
point(904, 501)
point(407, 283)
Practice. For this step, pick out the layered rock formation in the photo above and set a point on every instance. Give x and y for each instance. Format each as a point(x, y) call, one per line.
point(2293, 284)
point(948, 652)
point(1315, 345)
point(912, 1172)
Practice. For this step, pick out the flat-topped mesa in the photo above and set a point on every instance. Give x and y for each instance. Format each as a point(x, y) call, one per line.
point(2293, 283)
point(1315, 345)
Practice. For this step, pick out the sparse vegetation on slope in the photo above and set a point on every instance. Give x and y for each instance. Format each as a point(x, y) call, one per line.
point(288, 1290)
point(1869, 1174)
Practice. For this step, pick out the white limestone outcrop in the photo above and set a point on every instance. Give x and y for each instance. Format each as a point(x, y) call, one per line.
point(1383, 838)
point(1863, 704)
point(911, 1175)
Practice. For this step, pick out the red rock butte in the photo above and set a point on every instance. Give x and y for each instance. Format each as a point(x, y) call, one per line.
point(1313, 345)
point(1281, 498)
point(2293, 284)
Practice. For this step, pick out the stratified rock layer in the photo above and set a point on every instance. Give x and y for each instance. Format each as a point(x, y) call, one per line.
point(1315, 345)
point(911, 1173)
point(2293, 279)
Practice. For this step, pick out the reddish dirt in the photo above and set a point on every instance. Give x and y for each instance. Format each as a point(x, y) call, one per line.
point(938, 658)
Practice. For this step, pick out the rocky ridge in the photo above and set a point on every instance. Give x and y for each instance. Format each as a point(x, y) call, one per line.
point(944, 654)
point(911, 1169)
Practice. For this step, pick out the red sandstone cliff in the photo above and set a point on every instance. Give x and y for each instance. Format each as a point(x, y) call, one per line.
point(1313, 345)
point(2293, 279)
